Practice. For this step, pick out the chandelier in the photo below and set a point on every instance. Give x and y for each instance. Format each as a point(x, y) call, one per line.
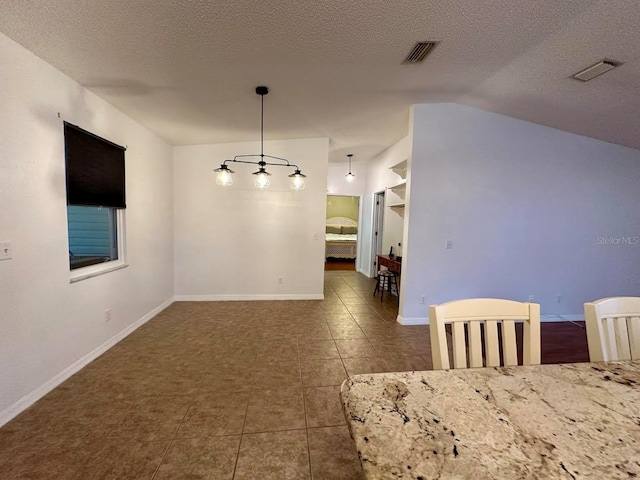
point(224, 173)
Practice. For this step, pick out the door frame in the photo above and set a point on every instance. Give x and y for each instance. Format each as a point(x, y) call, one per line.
point(377, 228)
point(359, 234)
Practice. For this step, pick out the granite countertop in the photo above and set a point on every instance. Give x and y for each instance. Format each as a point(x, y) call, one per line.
point(574, 421)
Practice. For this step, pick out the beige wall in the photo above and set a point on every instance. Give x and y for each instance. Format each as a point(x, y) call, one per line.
point(343, 206)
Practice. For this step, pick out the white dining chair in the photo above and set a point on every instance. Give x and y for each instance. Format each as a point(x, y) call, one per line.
point(613, 328)
point(488, 312)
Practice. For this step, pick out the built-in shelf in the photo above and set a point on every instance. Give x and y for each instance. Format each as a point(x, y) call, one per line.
point(398, 208)
point(400, 169)
point(399, 189)
point(396, 204)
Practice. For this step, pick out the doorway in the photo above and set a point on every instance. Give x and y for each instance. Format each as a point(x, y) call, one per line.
point(378, 225)
point(341, 235)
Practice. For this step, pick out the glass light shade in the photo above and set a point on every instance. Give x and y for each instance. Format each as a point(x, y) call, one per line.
point(224, 177)
point(262, 178)
point(297, 181)
point(350, 177)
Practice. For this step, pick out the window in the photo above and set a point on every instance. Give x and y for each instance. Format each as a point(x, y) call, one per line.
point(93, 235)
point(95, 200)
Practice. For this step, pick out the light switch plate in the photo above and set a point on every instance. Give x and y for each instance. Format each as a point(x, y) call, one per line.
point(5, 250)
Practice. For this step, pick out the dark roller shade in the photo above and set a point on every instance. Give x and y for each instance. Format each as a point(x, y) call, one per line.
point(95, 169)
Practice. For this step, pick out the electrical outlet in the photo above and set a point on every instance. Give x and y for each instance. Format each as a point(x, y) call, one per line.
point(448, 244)
point(559, 298)
point(422, 299)
point(5, 250)
point(107, 315)
point(280, 281)
point(531, 298)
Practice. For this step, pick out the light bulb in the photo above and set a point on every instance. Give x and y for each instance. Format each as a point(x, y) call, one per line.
point(224, 178)
point(262, 180)
point(297, 182)
point(350, 177)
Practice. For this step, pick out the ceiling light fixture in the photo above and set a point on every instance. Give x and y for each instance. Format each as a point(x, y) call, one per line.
point(224, 173)
point(350, 176)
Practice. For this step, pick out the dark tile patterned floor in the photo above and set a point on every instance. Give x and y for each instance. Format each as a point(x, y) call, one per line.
point(228, 390)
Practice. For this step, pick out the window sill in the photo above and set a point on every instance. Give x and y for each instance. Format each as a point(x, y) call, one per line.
point(95, 270)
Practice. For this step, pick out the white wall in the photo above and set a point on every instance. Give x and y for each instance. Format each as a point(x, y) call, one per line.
point(49, 327)
point(525, 207)
point(234, 242)
point(338, 185)
point(379, 177)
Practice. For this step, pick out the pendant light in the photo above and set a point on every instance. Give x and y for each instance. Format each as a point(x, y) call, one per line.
point(350, 176)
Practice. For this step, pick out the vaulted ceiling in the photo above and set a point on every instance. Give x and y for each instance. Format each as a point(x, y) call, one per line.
point(188, 69)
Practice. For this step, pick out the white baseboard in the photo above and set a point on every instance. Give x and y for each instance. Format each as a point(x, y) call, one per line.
point(561, 318)
point(366, 273)
point(543, 319)
point(25, 402)
point(234, 298)
point(412, 320)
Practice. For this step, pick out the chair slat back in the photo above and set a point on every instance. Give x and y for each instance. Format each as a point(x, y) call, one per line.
point(459, 345)
point(633, 327)
point(509, 347)
point(613, 328)
point(467, 319)
point(475, 345)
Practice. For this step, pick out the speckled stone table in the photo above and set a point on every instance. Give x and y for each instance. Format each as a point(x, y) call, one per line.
point(574, 421)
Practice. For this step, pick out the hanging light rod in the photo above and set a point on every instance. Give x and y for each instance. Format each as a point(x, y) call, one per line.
point(224, 177)
point(350, 176)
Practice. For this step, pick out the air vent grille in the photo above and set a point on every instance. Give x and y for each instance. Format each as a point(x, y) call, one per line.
point(596, 70)
point(420, 51)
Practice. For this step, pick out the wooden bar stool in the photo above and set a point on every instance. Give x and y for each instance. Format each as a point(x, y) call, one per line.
point(387, 280)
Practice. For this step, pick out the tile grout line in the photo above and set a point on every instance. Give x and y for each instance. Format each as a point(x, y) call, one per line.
point(164, 454)
point(304, 406)
point(340, 354)
point(244, 420)
point(173, 437)
point(363, 332)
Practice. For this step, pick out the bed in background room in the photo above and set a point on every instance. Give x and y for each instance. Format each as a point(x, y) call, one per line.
point(341, 238)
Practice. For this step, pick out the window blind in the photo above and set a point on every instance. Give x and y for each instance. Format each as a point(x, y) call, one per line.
point(94, 169)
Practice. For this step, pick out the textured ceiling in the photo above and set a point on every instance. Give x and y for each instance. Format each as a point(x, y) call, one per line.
point(187, 69)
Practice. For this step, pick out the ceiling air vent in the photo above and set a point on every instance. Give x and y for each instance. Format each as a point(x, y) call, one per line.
point(420, 51)
point(595, 70)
